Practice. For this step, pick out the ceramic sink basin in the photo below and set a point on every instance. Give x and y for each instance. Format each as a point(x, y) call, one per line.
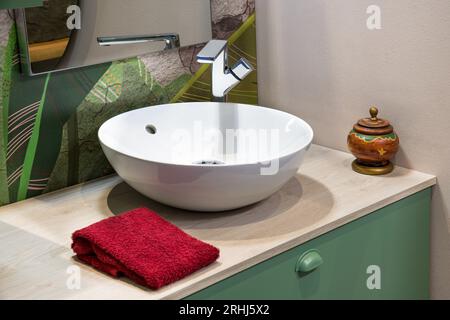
point(206, 156)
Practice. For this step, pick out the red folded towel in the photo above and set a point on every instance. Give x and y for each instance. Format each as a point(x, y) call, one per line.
point(143, 247)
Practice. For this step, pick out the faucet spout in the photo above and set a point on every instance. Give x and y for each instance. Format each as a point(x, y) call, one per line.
point(172, 40)
point(224, 78)
point(241, 69)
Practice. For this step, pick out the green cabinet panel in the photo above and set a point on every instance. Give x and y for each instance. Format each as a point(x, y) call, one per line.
point(15, 4)
point(393, 241)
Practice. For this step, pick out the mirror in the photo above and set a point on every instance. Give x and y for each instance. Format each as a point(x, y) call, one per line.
point(65, 34)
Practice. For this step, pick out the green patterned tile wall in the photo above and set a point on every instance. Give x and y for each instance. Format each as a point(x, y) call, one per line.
point(48, 124)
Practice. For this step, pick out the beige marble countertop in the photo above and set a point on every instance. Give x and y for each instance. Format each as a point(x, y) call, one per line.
point(36, 261)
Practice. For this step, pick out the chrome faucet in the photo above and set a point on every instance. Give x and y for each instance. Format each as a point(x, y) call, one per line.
point(224, 78)
point(172, 40)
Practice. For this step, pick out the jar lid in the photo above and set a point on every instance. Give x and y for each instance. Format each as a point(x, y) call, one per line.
point(373, 125)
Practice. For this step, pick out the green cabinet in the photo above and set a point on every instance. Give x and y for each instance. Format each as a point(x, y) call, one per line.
point(14, 4)
point(384, 255)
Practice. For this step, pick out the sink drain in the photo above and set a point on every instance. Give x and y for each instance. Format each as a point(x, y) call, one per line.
point(209, 162)
point(150, 129)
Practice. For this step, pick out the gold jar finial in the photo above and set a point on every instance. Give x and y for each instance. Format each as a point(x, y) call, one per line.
point(374, 113)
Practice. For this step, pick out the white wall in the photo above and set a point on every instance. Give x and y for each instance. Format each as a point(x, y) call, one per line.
point(318, 60)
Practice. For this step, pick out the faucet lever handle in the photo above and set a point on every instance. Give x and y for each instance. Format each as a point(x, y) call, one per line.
point(211, 51)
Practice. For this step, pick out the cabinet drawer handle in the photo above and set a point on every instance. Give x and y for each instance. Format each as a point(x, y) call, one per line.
point(309, 261)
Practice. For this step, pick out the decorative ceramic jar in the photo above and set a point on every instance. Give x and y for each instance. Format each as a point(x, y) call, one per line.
point(374, 143)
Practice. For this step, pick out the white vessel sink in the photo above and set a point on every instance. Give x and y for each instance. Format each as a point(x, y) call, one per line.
point(206, 156)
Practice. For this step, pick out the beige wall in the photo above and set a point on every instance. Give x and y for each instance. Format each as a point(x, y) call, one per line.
point(318, 60)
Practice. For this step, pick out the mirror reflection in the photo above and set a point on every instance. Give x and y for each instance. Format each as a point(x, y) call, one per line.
point(64, 34)
point(48, 34)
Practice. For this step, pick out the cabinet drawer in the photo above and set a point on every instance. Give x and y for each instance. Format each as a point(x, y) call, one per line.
point(393, 240)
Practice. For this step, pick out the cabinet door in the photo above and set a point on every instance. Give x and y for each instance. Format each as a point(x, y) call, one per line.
point(384, 255)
